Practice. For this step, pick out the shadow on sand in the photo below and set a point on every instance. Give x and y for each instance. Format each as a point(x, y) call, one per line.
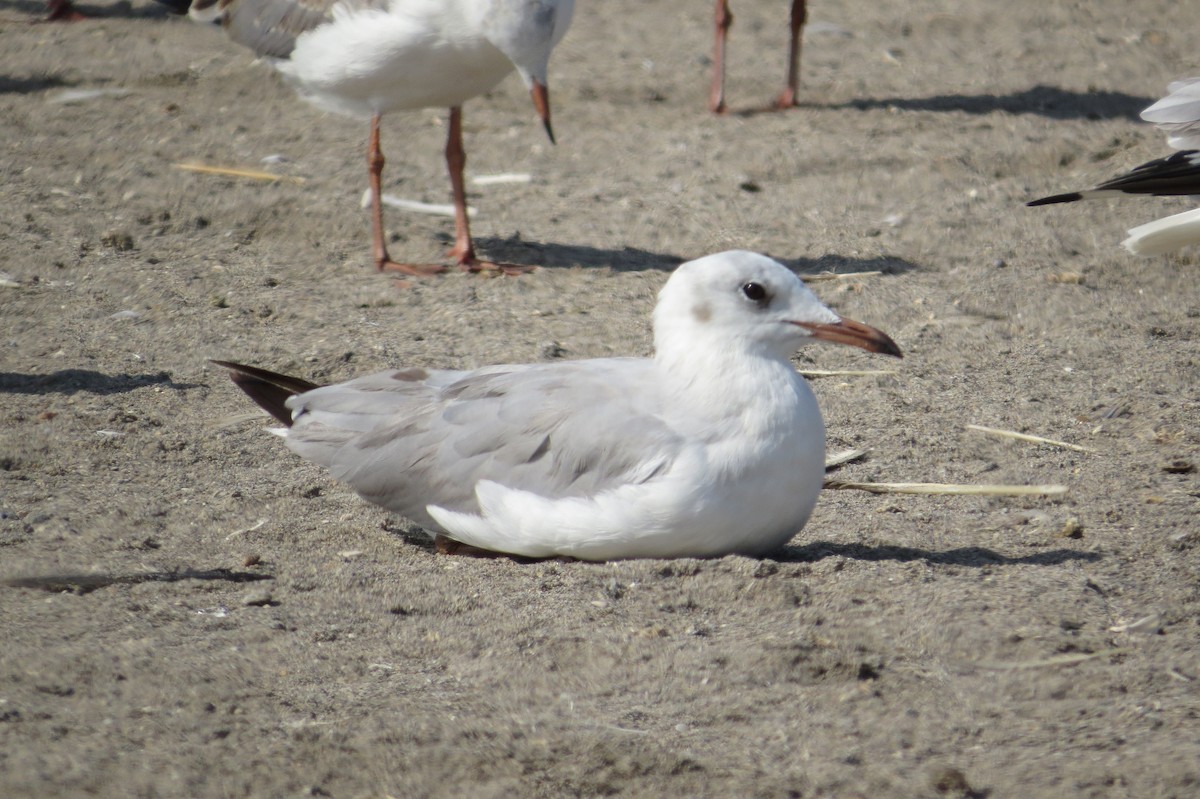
point(1047, 101)
point(552, 255)
point(974, 557)
point(86, 583)
point(74, 381)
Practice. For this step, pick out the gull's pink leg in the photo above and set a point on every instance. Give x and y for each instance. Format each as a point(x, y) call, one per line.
point(463, 251)
point(716, 96)
point(383, 262)
point(788, 97)
point(448, 546)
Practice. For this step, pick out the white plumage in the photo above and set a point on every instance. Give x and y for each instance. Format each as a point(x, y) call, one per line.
point(1178, 114)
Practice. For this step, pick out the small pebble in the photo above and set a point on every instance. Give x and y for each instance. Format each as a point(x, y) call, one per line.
point(258, 598)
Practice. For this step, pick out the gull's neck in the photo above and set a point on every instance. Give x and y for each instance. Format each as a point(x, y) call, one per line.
point(715, 384)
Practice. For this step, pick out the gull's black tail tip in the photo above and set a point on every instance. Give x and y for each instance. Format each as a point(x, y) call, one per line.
point(269, 390)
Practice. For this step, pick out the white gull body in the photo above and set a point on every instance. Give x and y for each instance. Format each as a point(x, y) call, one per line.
point(378, 56)
point(713, 446)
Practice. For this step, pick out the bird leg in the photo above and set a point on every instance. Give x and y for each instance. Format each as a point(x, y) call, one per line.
point(62, 11)
point(463, 251)
point(444, 545)
point(448, 546)
point(383, 262)
point(788, 97)
point(724, 19)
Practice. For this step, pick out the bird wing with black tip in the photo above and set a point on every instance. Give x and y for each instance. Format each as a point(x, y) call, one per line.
point(1177, 174)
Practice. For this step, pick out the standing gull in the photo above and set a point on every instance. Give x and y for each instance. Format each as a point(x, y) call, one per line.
point(1177, 115)
point(713, 446)
point(369, 57)
point(723, 21)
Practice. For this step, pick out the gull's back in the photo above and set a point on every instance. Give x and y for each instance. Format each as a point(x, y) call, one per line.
point(412, 438)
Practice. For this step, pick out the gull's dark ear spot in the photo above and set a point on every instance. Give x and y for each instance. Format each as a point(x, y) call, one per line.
point(702, 311)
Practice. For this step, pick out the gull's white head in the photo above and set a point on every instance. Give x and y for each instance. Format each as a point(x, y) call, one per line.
point(754, 304)
point(526, 31)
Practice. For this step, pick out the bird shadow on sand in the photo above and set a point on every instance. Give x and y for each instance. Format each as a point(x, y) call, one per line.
point(973, 557)
point(1048, 101)
point(86, 583)
point(551, 255)
point(74, 381)
point(37, 10)
point(31, 84)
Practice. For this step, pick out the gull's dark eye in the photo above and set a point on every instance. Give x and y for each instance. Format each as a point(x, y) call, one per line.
point(754, 291)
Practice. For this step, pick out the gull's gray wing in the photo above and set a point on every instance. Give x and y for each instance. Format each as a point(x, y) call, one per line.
point(413, 438)
point(270, 27)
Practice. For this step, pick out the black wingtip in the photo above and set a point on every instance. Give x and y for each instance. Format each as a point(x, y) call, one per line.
point(269, 390)
point(1057, 198)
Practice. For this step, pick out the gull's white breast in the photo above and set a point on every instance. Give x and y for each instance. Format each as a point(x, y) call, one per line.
point(368, 61)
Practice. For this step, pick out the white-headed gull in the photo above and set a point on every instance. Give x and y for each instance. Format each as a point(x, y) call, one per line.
point(713, 446)
point(724, 19)
point(1178, 115)
point(370, 57)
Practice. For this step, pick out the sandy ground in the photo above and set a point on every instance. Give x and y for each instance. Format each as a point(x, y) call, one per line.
point(218, 618)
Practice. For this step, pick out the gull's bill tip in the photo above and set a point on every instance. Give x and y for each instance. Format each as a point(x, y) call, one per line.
point(541, 101)
point(854, 334)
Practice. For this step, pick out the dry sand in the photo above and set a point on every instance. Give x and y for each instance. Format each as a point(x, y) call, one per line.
point(219, 618)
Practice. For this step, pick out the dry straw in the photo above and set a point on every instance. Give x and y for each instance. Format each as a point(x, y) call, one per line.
point(251, 174)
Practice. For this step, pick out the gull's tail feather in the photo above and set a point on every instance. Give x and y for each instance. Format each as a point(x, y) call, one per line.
point(1165, 235)
point(1069, 197)
point(269, 390)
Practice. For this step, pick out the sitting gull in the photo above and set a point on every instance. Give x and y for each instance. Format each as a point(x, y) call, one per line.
point(1178, 115)
point(369, 57)
point(713, 446)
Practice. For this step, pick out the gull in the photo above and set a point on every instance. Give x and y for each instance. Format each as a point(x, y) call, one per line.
point(715, 445)
point(724, 20)
point(366, 58)
point(1178, 115)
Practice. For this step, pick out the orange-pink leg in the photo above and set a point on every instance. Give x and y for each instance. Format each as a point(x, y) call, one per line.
point(448, 546)
point(788, 97)
point(723, 19)
point(463, 251)
point(383, 262)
